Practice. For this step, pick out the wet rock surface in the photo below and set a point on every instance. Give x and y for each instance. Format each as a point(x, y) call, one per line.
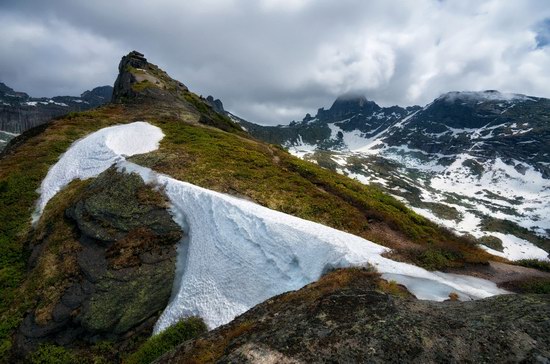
point(125, 262)
point(334, 321)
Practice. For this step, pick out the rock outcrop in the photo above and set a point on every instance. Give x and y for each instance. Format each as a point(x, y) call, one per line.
point(349, 316)
point(140, 81)
point(216, 104)
point(123, 266)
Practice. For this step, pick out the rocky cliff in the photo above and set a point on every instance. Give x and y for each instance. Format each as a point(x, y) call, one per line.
point(108, 249)
point(20, 112)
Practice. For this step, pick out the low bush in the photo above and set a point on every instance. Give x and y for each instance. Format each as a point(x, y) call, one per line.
point(535, 263)
point(159, 344)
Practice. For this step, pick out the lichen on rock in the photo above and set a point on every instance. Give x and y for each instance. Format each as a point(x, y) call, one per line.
point(124, 264)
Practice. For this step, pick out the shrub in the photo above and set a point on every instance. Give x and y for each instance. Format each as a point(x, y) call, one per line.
point(492, 242)
point(453, 296)
point(168, 339)
point(533, 285)
point(535, 263)
point(434, 259)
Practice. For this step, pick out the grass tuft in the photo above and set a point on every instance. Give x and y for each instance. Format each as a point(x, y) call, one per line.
point(157, 345)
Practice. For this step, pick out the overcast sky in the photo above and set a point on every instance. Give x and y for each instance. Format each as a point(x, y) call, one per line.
point(271, 61)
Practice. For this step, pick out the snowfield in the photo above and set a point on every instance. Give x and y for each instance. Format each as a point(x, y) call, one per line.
point(237, 253)
point(501, 191)
point(95, 153)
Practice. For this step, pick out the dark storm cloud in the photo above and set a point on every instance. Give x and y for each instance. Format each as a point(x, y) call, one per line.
point(272, 61)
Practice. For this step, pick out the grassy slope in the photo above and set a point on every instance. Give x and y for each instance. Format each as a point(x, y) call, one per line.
point(211, 158)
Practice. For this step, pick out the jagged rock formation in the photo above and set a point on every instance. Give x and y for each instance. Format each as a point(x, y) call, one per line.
point(139, 80)
point(216, 104)
point(20, 112)
point(118, 264)
point(349, 316)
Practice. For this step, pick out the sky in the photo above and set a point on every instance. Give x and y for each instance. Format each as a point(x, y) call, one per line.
point(273, 61)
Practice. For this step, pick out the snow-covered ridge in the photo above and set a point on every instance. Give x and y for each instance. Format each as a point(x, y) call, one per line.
point(237, 253)
point(488, 95)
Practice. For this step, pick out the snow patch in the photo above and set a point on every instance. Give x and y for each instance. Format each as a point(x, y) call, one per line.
point(238, 254)
point(516, 248)
point(95, 153)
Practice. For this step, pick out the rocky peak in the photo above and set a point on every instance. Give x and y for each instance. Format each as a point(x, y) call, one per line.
point(133, 59)
point(216, 104)
point(474, 97)
point(5, 89)
point(139, 80)
point(101, 92)
point(346, 106)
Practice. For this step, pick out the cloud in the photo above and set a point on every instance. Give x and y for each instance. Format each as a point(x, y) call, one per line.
point(543, 33)
point(47, 58)
point(272, 61)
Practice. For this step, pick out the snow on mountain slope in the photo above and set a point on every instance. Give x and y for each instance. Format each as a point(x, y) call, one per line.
point(94, 154)
point(476, 162)
point(237, 253)
point(497, 191)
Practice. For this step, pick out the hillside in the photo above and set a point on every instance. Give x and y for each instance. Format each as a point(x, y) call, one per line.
point(475, 162)
point(108, 248)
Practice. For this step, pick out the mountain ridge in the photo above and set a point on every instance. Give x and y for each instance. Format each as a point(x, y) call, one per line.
point(19, 112)
point(493, 142)
point(59, 277)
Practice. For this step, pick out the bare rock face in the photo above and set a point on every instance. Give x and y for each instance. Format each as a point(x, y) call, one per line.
point(350, 317)
point(140, 81)
point(125, 266)
point(123, 89)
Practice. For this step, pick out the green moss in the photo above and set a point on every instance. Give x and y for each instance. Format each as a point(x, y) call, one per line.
point(145, 84)
point(52, 354)
point(323, 159)
point(443, 211)
point(435, 259)
point(209, 116)
point(168, 339)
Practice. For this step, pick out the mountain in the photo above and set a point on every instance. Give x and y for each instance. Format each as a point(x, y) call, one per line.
point(126, 220)
point(20, 112)
point(476, 162)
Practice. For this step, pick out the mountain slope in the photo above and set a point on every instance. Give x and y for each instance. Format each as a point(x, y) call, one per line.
point(476, 162)
point(20, 112)
point(61, 278)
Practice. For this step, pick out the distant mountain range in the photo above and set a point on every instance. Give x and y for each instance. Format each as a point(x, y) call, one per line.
point(20, 112)
point(476, 162)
